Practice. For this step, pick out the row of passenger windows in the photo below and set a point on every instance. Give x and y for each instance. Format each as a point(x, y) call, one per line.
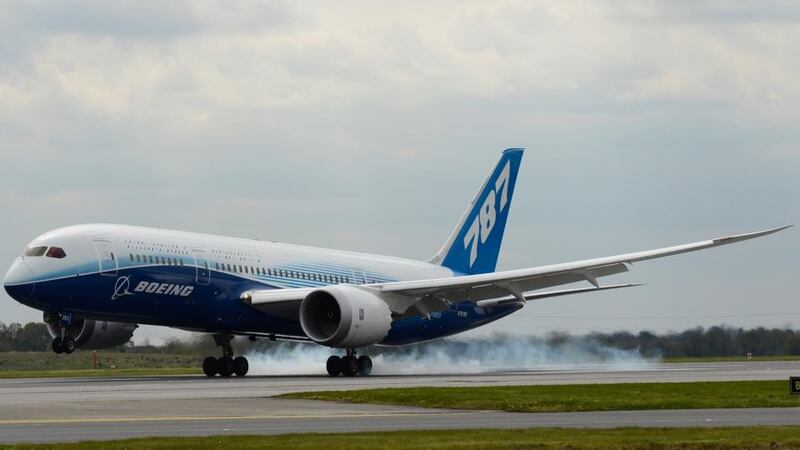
point(167, 261)
point(52, 252)
point(326, 278)
point(238, 268)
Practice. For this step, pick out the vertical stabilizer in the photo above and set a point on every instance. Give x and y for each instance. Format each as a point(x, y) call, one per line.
point(474, 244)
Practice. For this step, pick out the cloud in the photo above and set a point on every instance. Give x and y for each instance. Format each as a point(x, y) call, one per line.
point(368, 126)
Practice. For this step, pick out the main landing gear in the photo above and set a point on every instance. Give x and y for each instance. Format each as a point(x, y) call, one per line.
point(349, 365)
point(227, 365)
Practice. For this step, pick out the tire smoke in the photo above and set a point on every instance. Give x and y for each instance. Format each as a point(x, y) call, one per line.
point(497, 353)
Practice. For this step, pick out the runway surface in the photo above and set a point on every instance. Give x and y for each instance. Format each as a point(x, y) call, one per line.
point(72, 409)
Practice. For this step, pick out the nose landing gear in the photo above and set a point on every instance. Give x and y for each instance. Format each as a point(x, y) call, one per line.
point(62, 345)
point(227, 365)
point(349, 365)
point(63, 342)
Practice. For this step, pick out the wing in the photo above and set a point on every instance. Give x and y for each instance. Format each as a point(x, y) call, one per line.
point(408, 298)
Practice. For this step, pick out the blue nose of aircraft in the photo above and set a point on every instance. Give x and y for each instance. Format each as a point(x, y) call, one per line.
point(19, 281)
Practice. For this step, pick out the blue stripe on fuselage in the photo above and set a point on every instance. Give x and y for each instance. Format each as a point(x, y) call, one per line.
point(216, 306)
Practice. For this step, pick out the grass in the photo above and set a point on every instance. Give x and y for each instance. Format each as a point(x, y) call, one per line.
point(582, 397)
point(702, 359)
point(766, 437)
point(79, 364)
point(160, 371)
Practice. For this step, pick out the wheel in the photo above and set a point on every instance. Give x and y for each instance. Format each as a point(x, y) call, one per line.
point(240, 366)
point(225, 366)
point(68, 345)
point(364, 365)
point(55, 344)
point(349, 366)
point(210, 366)
point(334, 366)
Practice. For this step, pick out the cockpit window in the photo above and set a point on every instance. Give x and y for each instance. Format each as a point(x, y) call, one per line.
point(35, 251)
point(56, 252)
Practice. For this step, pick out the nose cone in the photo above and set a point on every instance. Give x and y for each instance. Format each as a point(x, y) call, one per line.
point(19, 281)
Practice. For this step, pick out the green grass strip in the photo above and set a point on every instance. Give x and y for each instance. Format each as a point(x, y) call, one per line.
point(542, 438)
point(580, 397)
point(163, 371)
point(713, 359)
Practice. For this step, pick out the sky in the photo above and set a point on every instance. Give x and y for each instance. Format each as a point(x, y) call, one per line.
point(368, 126)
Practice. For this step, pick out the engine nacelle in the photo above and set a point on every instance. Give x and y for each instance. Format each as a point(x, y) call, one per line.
point(95, 334)
point(345, 316)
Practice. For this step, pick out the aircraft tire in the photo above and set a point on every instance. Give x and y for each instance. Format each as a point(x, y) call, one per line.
point(210, 366)
point(55, 345)
point(240, 366)
point(334, 366)
point(349, 366)
point(225, 366)
point(68, 345)
point(364, 365)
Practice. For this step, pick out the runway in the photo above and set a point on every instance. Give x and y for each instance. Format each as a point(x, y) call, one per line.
point(73, 409)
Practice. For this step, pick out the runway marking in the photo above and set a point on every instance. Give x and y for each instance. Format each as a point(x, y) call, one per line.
point(258, 417)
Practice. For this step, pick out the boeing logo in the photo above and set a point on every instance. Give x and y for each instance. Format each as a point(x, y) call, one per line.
point(121, 287)
point(180, 290)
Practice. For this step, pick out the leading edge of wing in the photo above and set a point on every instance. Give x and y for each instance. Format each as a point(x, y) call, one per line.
point(419, 286)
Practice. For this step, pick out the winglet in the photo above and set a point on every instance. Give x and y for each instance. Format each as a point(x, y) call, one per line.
point(746, 236)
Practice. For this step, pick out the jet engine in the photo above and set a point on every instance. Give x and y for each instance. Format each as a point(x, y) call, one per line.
point(345, 317)
point(95, 334)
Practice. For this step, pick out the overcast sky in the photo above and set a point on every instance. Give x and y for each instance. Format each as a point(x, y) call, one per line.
point(368, 127)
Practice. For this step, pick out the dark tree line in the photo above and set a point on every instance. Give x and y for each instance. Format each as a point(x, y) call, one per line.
point(31, 337)
point(713, 341)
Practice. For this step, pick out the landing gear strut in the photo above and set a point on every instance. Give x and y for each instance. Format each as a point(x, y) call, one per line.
point(349, 365)
point(63, 343)
point(227, 365)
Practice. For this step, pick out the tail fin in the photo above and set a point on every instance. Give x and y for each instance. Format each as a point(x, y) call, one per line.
point(474, 245)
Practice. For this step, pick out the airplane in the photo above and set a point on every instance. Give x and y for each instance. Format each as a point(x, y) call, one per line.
point(96, 282)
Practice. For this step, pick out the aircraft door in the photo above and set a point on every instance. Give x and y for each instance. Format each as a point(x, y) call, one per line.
point(358, 276)
point(201, 263)
point(106, 258)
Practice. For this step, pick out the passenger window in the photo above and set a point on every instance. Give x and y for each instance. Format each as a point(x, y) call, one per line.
point(138, 259)
point(151, 258)
point(56, 252)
